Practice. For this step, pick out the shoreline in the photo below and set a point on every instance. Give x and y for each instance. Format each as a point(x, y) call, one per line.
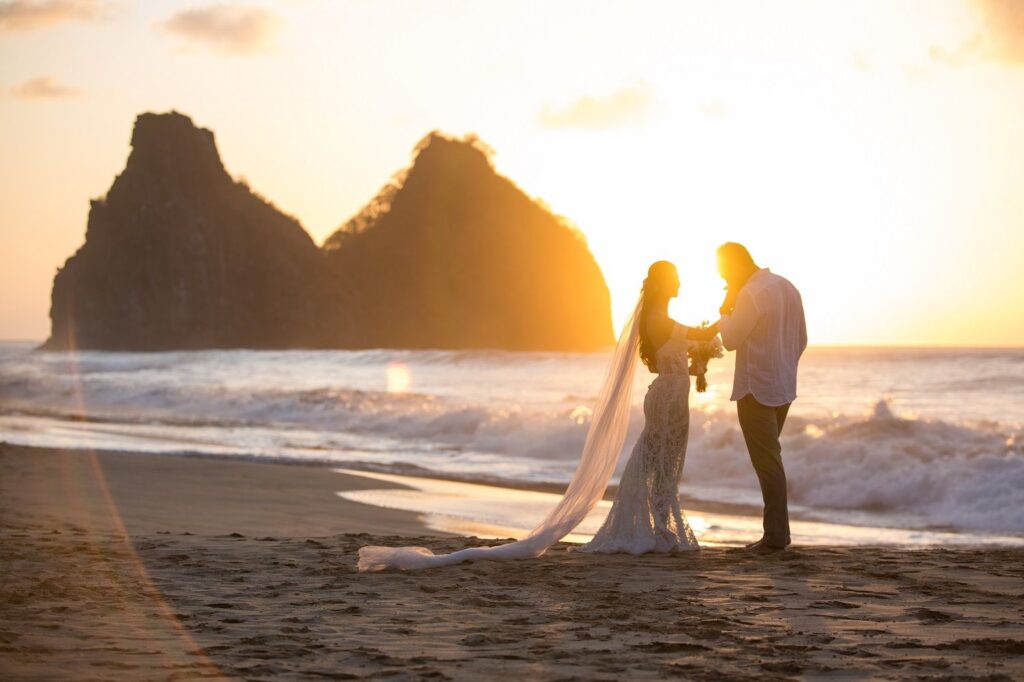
point(148, 493)
point(413, 471)
point(350, 478)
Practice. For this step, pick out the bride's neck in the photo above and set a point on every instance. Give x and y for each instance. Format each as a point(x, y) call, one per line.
point(658, 305)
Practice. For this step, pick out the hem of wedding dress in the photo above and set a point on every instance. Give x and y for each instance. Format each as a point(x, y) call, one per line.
point(680, 549)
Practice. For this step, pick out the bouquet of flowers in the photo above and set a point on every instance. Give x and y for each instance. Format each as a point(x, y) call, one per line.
point(700, 353)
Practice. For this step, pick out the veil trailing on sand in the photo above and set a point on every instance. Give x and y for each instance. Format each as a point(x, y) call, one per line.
point(600, 453)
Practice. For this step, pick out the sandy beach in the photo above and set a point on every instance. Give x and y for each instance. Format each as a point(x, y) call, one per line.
point(124, 566)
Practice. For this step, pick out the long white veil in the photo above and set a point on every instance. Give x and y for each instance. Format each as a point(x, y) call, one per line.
point(597, 463)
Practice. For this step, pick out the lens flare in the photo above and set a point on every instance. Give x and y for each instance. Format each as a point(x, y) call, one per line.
point(398, 377)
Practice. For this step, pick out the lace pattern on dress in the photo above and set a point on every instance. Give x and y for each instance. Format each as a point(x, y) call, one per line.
point(646, 516)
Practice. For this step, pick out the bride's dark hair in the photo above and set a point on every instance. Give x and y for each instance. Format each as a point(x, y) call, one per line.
point(657, 275)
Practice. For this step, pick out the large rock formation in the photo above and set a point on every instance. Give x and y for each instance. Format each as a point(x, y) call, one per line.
point(179, 255)
point(450, 255)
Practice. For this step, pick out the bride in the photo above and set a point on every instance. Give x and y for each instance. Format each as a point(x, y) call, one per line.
point(645, 516)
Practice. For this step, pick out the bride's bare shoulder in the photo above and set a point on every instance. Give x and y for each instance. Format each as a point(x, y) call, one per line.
point(658, 318)
point(660, 326)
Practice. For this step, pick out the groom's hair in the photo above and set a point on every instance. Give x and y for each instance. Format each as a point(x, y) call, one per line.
point(736, 253)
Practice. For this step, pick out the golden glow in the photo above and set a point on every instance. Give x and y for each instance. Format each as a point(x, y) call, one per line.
point(857, 148)
point(92, 511)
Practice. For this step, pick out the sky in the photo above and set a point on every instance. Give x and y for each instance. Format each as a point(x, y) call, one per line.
point(872, 152)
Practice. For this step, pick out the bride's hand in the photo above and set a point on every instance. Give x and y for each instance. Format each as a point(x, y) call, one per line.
point(729, 303)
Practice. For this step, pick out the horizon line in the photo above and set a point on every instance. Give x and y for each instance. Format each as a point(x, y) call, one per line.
point(851, 346)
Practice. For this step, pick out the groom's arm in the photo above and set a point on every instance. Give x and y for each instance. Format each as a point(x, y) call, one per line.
point(735, 328)
point(803, 324)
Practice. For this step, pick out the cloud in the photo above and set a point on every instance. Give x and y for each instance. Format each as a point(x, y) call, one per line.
point(627, 106)
point(714, 108)
point(1000, 39)
point(973, 49)
point(44, 87)
point(227, 28)
point(861, 62)
point(26, 15)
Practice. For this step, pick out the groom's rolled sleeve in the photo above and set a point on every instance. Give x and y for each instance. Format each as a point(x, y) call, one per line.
point(735, 328)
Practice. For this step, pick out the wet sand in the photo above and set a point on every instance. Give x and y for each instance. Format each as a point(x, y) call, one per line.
point(141, 566)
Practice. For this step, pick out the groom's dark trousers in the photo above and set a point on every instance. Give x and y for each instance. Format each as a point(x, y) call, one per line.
point(762, 426)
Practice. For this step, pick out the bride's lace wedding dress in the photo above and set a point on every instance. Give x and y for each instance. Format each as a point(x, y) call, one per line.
point(646, 516)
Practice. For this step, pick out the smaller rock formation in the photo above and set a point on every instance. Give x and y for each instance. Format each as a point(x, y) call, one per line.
point(453, 255)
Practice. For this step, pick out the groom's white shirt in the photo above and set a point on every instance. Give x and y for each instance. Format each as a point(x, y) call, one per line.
point(768, 332)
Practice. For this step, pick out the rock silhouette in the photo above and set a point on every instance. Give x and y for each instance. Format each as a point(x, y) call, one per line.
point(451, 254)
point(179, 255)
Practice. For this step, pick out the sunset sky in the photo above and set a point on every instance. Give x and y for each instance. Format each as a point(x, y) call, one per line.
point(872, 152)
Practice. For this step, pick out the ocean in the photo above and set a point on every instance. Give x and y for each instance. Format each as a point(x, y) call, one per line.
point(922, 440)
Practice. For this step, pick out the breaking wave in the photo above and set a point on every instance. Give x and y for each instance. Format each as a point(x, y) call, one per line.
point(514, 417)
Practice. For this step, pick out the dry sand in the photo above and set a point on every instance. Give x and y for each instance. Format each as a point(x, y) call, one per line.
point(154, 567)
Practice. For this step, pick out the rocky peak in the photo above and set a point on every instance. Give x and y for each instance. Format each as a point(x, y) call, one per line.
point(439, 152)
point(449, 254)
point(170, 145)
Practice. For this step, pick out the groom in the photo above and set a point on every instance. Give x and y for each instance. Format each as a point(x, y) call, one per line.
point(763, 321)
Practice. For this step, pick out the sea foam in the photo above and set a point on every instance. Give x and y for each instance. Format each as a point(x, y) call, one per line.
point(919, 457)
